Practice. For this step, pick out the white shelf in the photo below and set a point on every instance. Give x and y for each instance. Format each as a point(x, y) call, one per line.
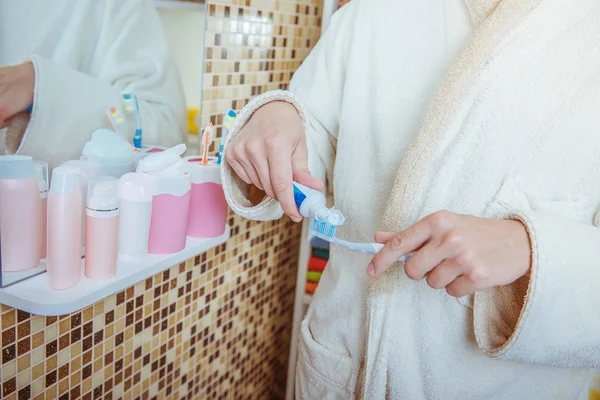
point(178, 4)
point(36, 297)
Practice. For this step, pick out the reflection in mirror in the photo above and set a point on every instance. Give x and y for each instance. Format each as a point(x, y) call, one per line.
point(95, 85)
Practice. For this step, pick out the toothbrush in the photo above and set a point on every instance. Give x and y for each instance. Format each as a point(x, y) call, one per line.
point(206, 141)
point(228, 120)
point(326, 231)
point(115, 118)
point(132, 107)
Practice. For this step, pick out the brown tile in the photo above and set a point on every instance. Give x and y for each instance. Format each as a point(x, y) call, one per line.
point(37, 340)
point(109, 317)
point(63, 371)
point(51, 320)
point(51, 348)
point(51, 378)
point(86, 372)
point(9, 353)
point(24, 346)
point(24, 329)
point(63, 341)
point(8, 319)
point(37, 371)
point(88, 329)
point(22, 316)
point(75, 320)
point(76, 335)
point(25, 393)
point(8, 336)
point(9, 386)
point(51, 363)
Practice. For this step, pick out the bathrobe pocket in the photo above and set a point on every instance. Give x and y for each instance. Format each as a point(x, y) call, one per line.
point(513, 197)
point(322, 373)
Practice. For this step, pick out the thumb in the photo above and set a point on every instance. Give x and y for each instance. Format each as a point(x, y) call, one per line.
point(302, 174)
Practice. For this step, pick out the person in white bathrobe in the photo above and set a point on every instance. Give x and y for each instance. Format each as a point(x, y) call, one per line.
point(71, 60)
point(466, 133)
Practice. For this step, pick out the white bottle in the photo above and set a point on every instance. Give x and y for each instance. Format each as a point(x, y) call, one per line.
point(64, 228)
point(102, 228)
point(41, 169)
point(135, 202)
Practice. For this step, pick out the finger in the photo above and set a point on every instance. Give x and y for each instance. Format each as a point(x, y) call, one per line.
point(282, 182)
point(424, 260)
point(251, 173)
point(300, 169)
point(461, 287)
point(261, 167)
point(403, 243)
point(240, 171)
point(443, 274)
point(384, 237)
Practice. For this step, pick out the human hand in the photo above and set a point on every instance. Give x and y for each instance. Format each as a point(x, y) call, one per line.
point(460, 253)
point(16, 90)
point(270, 152)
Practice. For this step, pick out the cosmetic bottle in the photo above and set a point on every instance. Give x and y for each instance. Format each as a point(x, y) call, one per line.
point(20, 214)
point(135, 203)
point(64, 228)
point(102, 228)
point(41, 170)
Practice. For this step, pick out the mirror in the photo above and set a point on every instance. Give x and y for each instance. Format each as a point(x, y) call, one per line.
point(89, 69)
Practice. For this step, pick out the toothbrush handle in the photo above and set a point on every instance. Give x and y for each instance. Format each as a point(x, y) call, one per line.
point(137, 139)
point(220, 157)
point(369, 248)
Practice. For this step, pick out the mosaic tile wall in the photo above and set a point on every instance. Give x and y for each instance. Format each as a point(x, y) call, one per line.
point(218, 325)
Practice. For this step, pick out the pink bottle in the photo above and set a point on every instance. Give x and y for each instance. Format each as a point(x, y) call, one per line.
point(102, 228)
point(208, 207)
point(166, 173)
point(20, 214)
point(41, 170)
point(64, 228)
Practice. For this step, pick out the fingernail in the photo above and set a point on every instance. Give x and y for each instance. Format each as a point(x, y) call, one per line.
point(371, 270)
point(296, 218)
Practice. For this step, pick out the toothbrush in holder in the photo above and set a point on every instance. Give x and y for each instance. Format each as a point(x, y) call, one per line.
point(228, 120)
point(206, 142)
point(116, 119)
point(326, 231)
point(132, 107)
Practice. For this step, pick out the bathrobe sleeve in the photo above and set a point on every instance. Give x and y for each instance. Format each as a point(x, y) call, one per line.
point(316, 92)
point(552, 316)
point(132, 55)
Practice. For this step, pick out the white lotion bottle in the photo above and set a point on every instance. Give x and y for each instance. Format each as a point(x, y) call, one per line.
point(64, 228)
point(41, 170)
point(102, 228)
point(135, 202)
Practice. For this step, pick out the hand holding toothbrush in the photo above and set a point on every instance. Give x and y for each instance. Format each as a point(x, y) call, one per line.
point(270, 152)
point(16, 90)
point(460, 253)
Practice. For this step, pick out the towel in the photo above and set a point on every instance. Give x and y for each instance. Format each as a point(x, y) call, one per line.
point(313, 276)
point(324, 254)
point(310, 287)
point(317, 264)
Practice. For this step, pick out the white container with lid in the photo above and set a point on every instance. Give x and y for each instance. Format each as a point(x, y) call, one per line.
point(135, 202)
point(167, 174)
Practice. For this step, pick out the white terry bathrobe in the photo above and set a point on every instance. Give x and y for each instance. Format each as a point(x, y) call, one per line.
point(486, 108)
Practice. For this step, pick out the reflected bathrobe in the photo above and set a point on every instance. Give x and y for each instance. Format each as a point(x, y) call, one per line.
point(486, 108)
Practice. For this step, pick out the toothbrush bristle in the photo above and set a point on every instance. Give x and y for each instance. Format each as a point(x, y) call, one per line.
point(323, 228)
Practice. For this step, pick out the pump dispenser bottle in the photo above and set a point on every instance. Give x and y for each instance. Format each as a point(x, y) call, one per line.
point(102, 228)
